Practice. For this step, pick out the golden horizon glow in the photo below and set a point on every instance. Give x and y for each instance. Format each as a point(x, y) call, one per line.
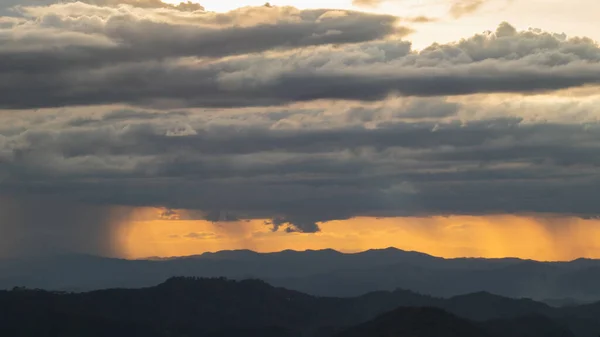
point(542, 238)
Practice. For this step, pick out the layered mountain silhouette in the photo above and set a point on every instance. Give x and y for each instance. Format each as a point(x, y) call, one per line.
point(185, 306)
point(323, 273)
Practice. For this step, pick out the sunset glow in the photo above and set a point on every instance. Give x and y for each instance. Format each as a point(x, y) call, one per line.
point(528, 237)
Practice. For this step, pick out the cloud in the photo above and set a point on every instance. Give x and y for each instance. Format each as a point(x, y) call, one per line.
point(187, 214)
point(183, 6)
point(220, 216)
point(169, 214)
point(456, 9)
point(202, 236)
point(463, 7)
point(377, 3)
point(309, 163)
point(502, 61)
point(421, 19)
point(10, 7)
point(77, 37)
point(294, 225)
point(367, 3)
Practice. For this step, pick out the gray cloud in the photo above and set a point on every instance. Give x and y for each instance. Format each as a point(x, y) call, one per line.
point(183, 6)
point(503, 61)
point(220, 216)
point(212, 216)
point(74, 38)
point(306, 164)
point(294, 225)
point(169, 214)
point(10, 7)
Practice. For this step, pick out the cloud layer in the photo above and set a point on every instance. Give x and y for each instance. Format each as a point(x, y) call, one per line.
point(309, 163)
point(68, 57)
point(296, 116)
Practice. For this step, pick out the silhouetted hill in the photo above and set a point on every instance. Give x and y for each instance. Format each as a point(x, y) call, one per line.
point(186, 306)
point(434, 322)
point(483, 306)
point(528, 326)
point(416, 322)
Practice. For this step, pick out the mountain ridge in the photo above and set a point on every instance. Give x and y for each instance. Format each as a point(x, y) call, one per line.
point(388, 249)
point(321, 272)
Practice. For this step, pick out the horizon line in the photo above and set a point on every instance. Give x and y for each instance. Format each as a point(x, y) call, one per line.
point(174, 257)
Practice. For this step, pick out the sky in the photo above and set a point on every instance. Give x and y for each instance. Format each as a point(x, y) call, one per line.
point(137, 128)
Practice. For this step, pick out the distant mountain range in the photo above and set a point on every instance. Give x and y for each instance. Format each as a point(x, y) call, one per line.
point(323, 273)
point(251, 308)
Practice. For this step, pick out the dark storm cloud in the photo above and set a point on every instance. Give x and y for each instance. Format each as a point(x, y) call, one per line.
point(294, 225)
point(502, 61)
point(220, 216)
point(303, 165)
point(212, 216)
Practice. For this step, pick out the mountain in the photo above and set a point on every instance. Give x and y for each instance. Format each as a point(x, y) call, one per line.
point(532, 326)
point(321, 272)
point(435, 322)
point(484, 306)
point(416, 322)
point(563, 302)
point(214, 307)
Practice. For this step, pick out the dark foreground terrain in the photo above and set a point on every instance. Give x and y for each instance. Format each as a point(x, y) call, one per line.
point(219, 307)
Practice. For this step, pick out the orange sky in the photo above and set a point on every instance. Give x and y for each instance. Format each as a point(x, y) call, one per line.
point(540, 238)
